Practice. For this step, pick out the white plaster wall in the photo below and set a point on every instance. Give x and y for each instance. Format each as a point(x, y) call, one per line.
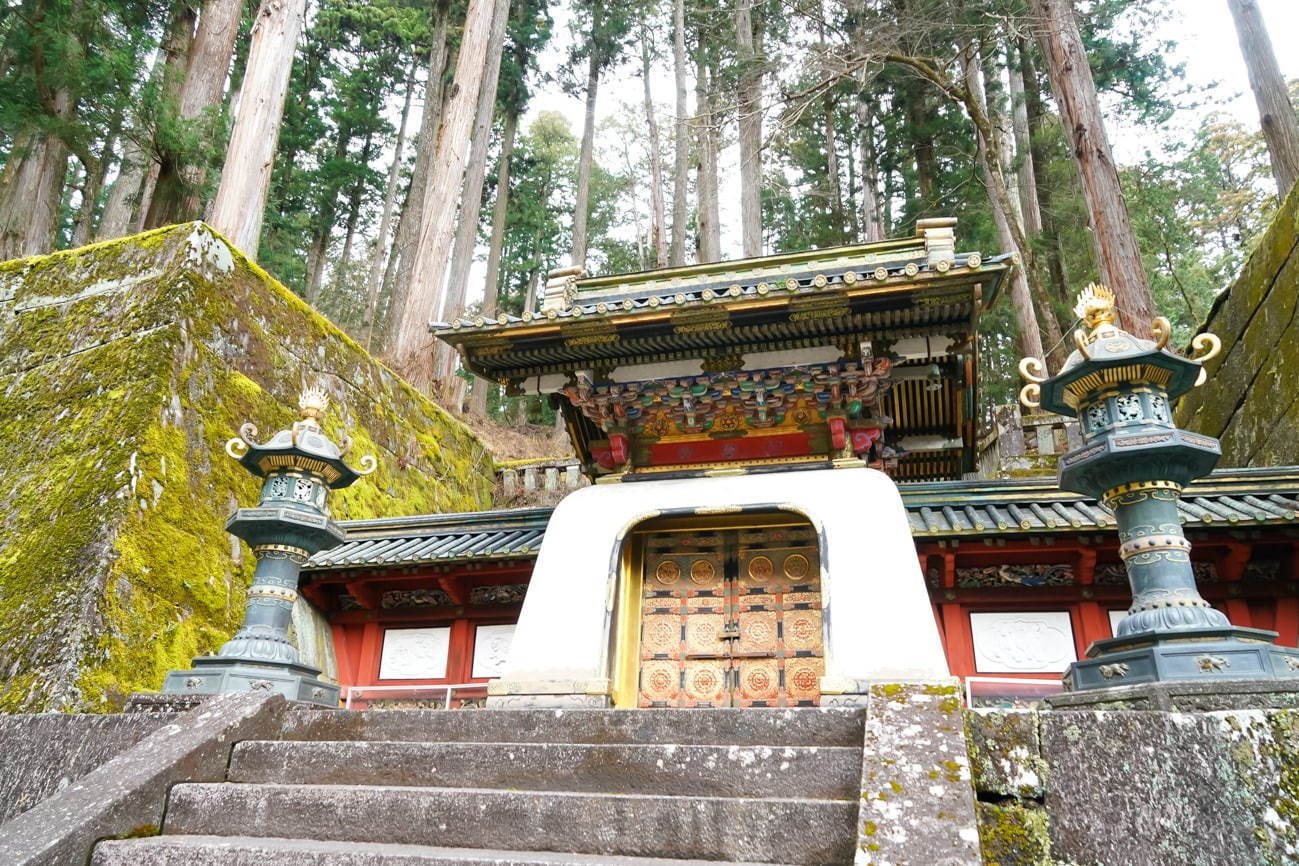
point(879, 622)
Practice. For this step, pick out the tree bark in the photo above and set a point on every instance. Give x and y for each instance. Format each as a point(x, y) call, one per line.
point(1075, 93)
point(749, 122)
point(872, 226)
point(1275, 112)
point(241, 198)
point(1037, 120)
point(29, 203)
point(1027, 182)
point(471, 199)
point(710, 234)
point(413, 340)
point(178, 193)
point(123, 194)
point(500, 213)
point(82, 231)
point(834, 189)
point(1030, 334)
point(922, 145)
point(581, 209)
point(658, 232)
point(379, 255)
point(681, 161)
point(412, 211)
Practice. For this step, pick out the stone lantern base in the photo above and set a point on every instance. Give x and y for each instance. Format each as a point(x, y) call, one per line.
point(1185, 696)
point(212, 675)
point(1210, 668)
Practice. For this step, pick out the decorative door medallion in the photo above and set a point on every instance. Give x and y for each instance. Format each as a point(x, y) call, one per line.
point(731, 619)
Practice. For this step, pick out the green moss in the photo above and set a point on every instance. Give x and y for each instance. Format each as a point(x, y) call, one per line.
point(123, 370)
point(1013, 835)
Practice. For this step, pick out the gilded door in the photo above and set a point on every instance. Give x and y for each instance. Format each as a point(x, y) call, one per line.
point(731, 618)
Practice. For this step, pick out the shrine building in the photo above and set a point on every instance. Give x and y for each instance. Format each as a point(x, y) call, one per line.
point(788, 486)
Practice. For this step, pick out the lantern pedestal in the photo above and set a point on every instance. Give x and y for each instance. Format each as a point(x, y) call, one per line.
point(215, 675)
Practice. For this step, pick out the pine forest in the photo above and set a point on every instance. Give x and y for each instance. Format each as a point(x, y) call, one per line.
point(402, 162)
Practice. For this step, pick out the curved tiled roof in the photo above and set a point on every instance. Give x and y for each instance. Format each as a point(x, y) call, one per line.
point(1227, 499)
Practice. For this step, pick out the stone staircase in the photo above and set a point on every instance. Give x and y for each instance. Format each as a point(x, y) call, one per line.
point(523, 788)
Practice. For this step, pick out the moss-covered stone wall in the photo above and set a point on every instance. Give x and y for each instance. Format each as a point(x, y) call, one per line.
point(1067, 788)
point(124, 367)
point(1251, 400)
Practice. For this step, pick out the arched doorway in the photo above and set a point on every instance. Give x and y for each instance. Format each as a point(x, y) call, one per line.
point(721, 611)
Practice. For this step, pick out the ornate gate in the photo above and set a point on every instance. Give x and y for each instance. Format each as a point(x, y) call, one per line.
point(731, 618)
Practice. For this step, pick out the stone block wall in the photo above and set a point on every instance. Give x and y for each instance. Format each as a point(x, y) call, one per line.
point(1136, 788)
point(124, 367)
point(1251, 400)
point(41, 755)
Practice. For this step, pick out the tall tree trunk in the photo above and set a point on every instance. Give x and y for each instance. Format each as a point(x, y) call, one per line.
point(1075, 93)
point(659, 230)
point(749, 122)
point(1027, 182)
point(471, 199)
point(918, 114)
point(379, 255)
point(95, 177)
point(681, 160)
point(500, 212)
point(1275, 112)
point(1037, 150)
point(872, 225)
point(241, 198)
point(834, 188)
point(353, 214)
point(123, 194)
point(326, 211)
point(581, 209)
point(176, 43)
point(412, 210)
point(710, 234)
point(178, 193)
point(1030, 334)
point(29, 202)
point(413, 344)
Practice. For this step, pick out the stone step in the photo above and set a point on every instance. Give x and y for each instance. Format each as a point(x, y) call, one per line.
point(807, 772)
point(794, 831)
point(726, 727)
point(245, 851)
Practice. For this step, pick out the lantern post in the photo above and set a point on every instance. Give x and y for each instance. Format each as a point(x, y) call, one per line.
point(299, 466)
point(1136, 461)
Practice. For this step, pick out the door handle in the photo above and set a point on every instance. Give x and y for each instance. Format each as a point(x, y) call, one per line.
point(730, 631)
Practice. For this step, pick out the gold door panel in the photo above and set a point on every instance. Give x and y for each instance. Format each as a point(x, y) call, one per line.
point(803, 678)
point(758, 633)
point(706, 683)
point(731, 618)
point(704, 634)
point(802, 631)
point(758, 681)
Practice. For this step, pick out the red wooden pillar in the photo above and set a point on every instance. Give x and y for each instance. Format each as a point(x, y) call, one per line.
point(1093, 620)
point(371, 648)
point(957, 638)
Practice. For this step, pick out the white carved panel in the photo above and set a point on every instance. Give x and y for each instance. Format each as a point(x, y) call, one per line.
point(414, 654)
point(1116, 617)
point(1022, 642)
point(491, 647)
